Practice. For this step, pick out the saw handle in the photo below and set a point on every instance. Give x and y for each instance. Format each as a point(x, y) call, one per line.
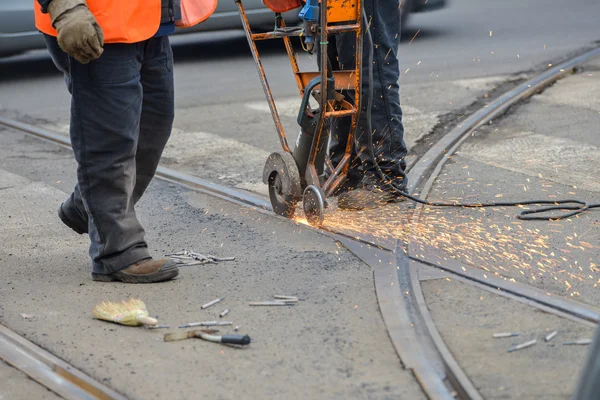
point(235, 339)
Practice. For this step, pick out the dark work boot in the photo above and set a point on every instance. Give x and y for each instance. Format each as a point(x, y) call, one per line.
point(72, 219)
point(371, 193)
point(143, 271)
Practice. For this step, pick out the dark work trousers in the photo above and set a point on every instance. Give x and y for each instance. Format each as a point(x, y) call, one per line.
point(122, 111)
point(386, 113)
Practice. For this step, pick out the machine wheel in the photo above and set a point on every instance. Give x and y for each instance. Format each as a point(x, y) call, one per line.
point(314, 205)
point(283, 204)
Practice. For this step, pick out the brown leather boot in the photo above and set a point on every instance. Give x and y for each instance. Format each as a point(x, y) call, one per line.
point(143, 271)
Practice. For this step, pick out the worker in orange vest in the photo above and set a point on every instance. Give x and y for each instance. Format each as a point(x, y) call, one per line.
point(118, 66)
point(365, 187)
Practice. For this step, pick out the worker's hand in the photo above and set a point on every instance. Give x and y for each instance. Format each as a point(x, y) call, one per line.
point(79, 34)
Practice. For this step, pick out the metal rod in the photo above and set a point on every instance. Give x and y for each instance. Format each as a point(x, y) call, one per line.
point(292, 57)
point(212, 303)
point(271, 303)
point(311, 175)
point(334, 180)
point(344, 28)
point(358, 70)
point(206, 323)
point(522, 345)
point(504, 335)
point(340, 113)
point(579, 342)
point(275, 35)
point(50, 371)
point(263, 77)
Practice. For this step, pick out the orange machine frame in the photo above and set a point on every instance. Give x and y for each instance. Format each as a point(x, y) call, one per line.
point(336, 16)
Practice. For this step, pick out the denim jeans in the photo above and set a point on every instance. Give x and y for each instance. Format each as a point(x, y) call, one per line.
point(122, 111)
point(386, 113)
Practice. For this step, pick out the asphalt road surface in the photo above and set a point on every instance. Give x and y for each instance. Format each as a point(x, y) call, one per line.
point(223, 132)
point(448, 57)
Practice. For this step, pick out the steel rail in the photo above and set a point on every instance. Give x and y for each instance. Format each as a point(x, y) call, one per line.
point(394, 308)
point(238, 196)
point(50, 371)
point(418, 173)
point(443, 150)
point(426, 171)
point(398, 314)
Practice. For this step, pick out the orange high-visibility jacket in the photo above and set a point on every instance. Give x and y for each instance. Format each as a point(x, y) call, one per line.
point(130, 21)
point(282, 5)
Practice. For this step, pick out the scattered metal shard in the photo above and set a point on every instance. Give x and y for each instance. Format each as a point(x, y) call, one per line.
point(188, 258)
point(281, 297)
point(551, 336)
point(272, 303)
point(522, 345)
point(211, 303)
point(206, 323)
point(580, 341)
point(504, 335)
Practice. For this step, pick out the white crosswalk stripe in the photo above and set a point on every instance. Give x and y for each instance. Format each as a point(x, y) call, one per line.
point(555, 159)
point(417, 124)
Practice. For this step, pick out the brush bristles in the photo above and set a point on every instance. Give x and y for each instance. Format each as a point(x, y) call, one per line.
point(132, 312)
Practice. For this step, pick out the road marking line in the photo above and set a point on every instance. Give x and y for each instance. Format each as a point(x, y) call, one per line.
point(560, 160)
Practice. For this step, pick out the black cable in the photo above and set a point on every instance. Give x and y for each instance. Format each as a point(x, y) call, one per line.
point(524, 215)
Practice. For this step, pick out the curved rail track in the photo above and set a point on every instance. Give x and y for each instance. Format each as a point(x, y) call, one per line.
point(395, 264)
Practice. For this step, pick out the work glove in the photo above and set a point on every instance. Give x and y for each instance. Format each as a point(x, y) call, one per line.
point(79, 34)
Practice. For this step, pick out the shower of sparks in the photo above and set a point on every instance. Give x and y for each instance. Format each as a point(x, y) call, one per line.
point(510, 249)
point(414, 37)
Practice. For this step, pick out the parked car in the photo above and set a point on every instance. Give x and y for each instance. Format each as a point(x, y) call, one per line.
point(18, 33)
point(417, 6)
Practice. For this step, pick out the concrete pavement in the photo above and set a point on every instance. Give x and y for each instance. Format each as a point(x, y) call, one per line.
point(332, 345)
point(547, 148)
point(458, 54)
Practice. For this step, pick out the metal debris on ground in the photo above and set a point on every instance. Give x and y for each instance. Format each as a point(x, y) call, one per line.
point(522, 345)
point(224, 313)
point(189, 258)
point(158, 327)
point(280, 300)
point(281, 297)
point(504, 335)
point(273, 303)
point(580, 341)
point(206, 323)
point(551, 336)
point(212, 303)
point(26, 316)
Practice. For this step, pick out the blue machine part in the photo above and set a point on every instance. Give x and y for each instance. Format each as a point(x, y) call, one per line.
point(310, 15)
point(310, 11)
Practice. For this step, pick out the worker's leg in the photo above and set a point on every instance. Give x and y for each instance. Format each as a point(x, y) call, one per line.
point(158, 111)
point(340, 129)
point(386, 113)
point(105, 114)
